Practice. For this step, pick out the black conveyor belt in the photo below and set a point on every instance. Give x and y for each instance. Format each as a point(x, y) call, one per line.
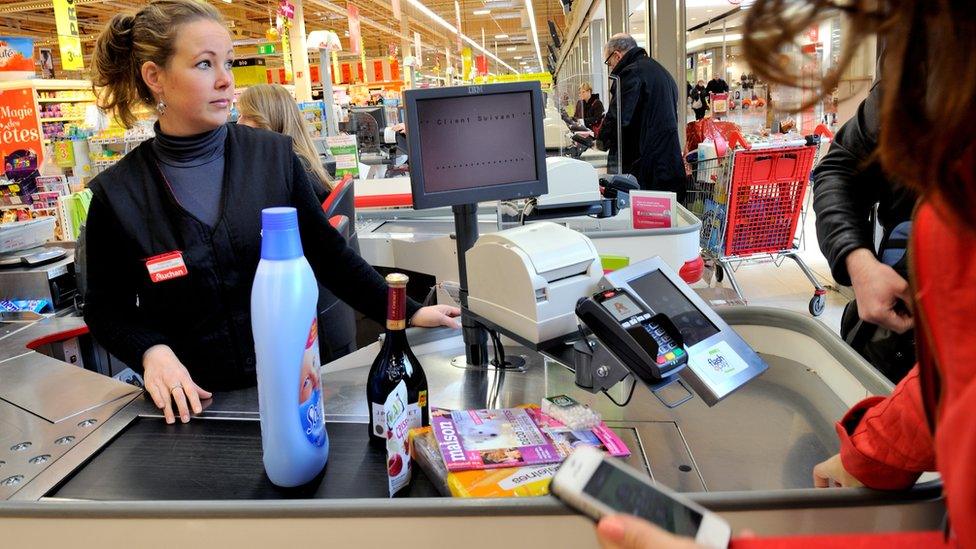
point(210, 459)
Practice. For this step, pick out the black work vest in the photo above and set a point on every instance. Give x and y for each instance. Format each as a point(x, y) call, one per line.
point(205, 315)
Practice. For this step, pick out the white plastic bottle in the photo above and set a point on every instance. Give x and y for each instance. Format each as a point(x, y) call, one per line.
point(284, 322)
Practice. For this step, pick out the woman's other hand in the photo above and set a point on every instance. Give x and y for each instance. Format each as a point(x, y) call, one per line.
point(168, 381)
point(831, 473)
point(436, 315)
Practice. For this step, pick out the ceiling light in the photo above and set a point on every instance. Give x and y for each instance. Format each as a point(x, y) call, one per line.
point(511, 48)
point(481, 12)
point(517, 57)
point(535, 31)
point(501, 36)
point(440, 21)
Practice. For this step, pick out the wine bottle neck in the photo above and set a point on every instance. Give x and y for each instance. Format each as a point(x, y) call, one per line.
point(396, 309)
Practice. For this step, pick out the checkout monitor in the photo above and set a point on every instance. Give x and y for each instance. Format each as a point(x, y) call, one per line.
point(470, 144)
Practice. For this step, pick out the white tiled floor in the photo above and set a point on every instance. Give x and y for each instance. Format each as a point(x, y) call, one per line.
point(786, 286)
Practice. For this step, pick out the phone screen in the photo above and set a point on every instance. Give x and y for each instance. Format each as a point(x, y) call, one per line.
point(626, 494)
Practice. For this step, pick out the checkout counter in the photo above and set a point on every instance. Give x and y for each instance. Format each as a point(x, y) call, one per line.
point(87, 458)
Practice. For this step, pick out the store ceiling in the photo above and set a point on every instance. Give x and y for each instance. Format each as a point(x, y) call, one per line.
point(506, 28)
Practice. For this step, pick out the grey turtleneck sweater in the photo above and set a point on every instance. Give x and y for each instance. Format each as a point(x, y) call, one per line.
point(193, 166)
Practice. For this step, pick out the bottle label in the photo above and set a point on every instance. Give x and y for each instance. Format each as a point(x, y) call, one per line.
point(310, 408)
point(396, 309)
point(396, 413)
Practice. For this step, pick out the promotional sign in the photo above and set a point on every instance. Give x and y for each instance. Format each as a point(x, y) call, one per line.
point(16, 58)
point(343, 148)
point(66, 20)
point(286, 52)
point(249, 71)
point(417, 51)
point(457, 14)
point(653, 209)
point(20, 133)
point(466, 63)
point(355, 38)
point(481, 62)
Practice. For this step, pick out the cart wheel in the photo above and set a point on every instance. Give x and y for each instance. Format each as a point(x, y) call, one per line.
point(817, 304)
point(719, 273)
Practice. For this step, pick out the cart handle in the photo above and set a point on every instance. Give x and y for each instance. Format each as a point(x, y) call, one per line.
point(735, 138)
point(823, 131)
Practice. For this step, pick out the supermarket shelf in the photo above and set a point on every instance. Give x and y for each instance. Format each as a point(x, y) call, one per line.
point(75, 100)
point(64, 119)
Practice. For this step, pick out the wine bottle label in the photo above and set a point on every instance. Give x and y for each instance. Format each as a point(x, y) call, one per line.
point(396, 313)
point(310, 408)
point(379, 419)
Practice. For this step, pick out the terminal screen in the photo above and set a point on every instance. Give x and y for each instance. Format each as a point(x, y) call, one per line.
point(662, 296)
point(477, 141)
point(621, 307)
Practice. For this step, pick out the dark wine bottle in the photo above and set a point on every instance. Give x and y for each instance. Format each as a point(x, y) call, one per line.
point(395, 363)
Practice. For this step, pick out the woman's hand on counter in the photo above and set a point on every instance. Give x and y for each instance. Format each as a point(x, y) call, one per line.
point(831, 473)
point(168, 381)
point(630, 532)
point(434, 316)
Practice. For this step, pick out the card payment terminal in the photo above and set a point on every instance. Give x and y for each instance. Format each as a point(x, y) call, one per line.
point(650, 345)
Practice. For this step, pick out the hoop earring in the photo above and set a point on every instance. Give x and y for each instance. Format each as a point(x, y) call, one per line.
point(161, 107)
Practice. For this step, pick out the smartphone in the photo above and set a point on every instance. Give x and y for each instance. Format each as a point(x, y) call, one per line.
point(597, 485)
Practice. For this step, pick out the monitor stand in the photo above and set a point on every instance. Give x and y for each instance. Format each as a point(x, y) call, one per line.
point(475, 336)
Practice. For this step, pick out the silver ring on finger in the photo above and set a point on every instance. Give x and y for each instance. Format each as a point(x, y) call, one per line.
point(175, 387)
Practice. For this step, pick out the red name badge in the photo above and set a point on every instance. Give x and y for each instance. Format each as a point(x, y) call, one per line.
point(166, 266)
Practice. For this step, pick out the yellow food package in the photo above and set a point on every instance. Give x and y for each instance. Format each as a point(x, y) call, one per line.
point(502, 483)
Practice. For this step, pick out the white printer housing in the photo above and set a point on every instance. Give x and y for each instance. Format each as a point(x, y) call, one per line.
point(528, 279)
point(571, 182)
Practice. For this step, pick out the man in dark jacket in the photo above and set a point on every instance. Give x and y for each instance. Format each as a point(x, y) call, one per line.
point(847, 184)
point(648, 117)
point(717, 85)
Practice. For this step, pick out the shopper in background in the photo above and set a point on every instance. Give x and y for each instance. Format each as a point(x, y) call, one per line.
point(925, 142)
point(648, 97)
point(589, 109)
point(717, 85)
point(699, 100)
point(173, 232)
point(271, 107)
point(847, 184)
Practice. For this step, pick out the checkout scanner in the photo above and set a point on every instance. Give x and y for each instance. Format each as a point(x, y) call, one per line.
point(527, 279)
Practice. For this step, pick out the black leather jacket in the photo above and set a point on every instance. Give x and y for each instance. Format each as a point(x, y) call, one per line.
point(847, 184)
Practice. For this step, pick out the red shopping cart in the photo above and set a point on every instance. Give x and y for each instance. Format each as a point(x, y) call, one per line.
point(750, 203)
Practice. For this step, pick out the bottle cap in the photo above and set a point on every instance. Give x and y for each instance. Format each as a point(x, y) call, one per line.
point(279, 219)
point(397, 280)
point(279, 234)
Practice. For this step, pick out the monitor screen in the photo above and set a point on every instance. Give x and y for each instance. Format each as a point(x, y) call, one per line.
point(473, 144)
point(663, 297)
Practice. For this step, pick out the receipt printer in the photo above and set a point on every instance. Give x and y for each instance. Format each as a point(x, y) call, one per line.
point(528, 279)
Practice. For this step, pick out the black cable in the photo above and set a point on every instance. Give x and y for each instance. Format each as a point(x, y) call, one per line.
point(629, 396)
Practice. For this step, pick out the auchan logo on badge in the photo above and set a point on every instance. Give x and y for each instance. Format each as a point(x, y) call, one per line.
point(166, 266)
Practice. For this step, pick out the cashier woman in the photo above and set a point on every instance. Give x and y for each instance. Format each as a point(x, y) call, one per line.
point(174, 229)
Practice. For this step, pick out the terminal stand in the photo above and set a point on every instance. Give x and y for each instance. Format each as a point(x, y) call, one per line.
point(475, 336)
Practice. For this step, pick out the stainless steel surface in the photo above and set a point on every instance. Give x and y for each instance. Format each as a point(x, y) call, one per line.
point(427, 228)
point(54, 390)
point(15, 342)
point(48, 281)
point(76, 403)
point(729, 450)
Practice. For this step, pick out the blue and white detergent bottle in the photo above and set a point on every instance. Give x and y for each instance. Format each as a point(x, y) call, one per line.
point(284, 322)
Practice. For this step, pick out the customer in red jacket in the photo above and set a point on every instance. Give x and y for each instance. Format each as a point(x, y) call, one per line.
point(927, 142)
